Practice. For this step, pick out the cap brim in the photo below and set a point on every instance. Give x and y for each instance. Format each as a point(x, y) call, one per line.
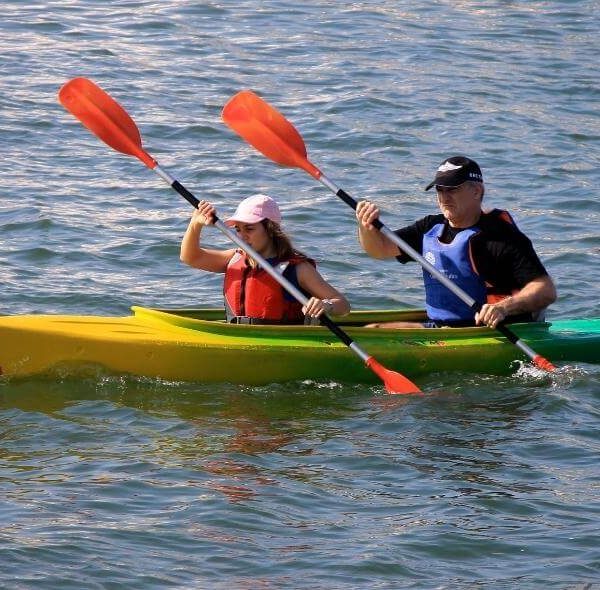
point(247, 219)
point(442, 183)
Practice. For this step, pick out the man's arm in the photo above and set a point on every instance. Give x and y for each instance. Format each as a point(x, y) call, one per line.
point(533, 297)
point(373, 242)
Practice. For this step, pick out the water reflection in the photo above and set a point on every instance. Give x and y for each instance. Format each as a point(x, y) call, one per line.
point(115, 428)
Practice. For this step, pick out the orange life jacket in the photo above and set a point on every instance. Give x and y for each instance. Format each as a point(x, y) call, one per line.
point(252, 294)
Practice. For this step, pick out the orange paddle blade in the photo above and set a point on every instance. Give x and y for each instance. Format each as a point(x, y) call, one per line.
point(104, 117)
point(265, 128)
point(394, 382)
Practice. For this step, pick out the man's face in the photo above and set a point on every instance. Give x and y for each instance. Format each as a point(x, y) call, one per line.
point(459, 204)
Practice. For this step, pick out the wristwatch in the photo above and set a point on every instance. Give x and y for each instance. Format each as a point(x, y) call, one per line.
point(328, 305)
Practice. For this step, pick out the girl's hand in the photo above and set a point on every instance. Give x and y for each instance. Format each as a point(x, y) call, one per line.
point(204, 214)
point(315, 307)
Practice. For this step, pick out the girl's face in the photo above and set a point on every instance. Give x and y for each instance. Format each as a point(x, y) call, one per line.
point(256, 236)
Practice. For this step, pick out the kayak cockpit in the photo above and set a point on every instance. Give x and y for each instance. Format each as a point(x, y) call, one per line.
point(187, 317)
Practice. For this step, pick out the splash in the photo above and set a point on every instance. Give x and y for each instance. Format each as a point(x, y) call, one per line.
point(563, 377)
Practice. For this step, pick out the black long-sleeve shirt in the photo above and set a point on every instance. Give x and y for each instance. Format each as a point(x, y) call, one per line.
point(503, 256)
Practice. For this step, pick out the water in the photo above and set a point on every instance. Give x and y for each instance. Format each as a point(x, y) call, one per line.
point(110, 482)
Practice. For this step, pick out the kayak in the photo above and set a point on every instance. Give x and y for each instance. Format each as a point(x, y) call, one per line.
point(198, 345)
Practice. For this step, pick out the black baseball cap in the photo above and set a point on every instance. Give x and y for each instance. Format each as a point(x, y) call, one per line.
point(456, 170)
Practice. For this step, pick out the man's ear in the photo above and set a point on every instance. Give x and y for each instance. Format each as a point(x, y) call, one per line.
point(481, 190)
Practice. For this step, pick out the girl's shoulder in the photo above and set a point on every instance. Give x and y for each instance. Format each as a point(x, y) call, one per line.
point(299, 258)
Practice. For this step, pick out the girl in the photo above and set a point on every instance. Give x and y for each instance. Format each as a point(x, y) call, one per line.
point(252, 296)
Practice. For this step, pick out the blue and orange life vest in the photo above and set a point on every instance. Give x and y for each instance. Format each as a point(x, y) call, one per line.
point(252, 294)
point(455, 261)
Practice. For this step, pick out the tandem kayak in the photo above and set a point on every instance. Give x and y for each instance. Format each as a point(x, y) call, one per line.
point(198, 345)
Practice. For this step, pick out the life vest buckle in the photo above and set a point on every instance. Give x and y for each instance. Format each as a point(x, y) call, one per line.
point(241, 319)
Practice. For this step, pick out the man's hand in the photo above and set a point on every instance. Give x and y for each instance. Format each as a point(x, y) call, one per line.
point(367, 213)
point(491, 314)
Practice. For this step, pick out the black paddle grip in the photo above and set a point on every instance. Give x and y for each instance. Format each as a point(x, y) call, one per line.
point(185, 193)
point(342, 194)
point(510, 335)
point(328, 322)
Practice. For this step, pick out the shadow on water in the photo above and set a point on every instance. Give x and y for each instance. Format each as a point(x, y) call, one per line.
point(224, 431)
point(215, 429)
point(293, 402)
point(186, 400)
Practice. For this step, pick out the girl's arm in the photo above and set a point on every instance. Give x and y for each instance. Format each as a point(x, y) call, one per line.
point(192, 254)
point(324, 297)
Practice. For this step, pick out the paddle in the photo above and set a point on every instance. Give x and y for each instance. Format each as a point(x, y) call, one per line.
point(265, 128)
point(105, 118)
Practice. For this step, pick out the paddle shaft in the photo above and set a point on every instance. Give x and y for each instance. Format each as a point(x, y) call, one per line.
point(462, 295)
point(292, 289)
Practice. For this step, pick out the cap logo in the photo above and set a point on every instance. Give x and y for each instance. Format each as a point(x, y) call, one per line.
point(448, 167)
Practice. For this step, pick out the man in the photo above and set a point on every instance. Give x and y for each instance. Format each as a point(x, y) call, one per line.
point(484, 253)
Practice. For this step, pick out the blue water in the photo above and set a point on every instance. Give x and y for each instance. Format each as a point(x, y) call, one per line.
point(112, 482)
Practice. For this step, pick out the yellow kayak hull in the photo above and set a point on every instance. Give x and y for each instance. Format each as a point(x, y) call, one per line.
point(196, 345)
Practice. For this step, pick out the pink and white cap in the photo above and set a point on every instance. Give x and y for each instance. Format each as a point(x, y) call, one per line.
point(254, 209)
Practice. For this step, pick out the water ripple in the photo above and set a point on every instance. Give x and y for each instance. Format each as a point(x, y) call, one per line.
point(116, 482)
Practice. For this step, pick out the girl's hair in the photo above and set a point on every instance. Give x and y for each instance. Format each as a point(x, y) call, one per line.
point(281, 242)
